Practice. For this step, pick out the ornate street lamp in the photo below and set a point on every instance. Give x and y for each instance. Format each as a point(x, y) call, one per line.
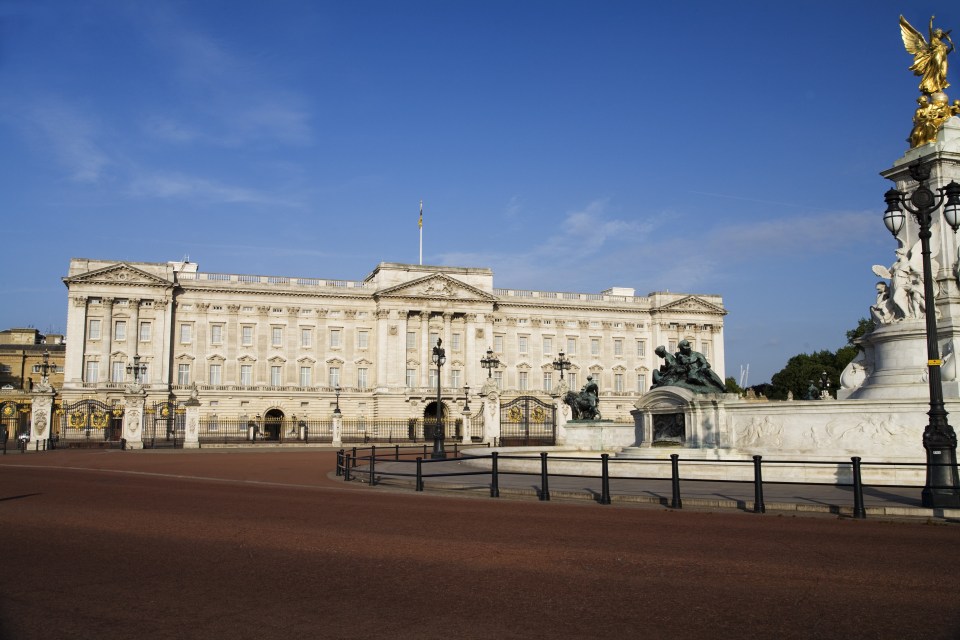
point(45, 369)
point(336, 409)
point(136, 369)
point(466, 398)
point(561, 364)
point(489, 363)
point(942, 488)
point(439, 357)
point(825, 384)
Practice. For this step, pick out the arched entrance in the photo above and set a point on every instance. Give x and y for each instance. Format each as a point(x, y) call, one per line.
point(272, 424)
point(430, 419)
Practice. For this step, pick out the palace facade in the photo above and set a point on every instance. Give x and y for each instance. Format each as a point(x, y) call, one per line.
point(250, 344)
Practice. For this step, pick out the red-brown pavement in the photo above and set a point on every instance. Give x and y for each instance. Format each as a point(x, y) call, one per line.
point(198, 544)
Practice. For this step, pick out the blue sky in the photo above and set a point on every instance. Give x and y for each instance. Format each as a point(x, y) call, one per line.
point(704, 147)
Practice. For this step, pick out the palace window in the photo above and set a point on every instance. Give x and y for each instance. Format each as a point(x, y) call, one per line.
point(183, 374)
point(363, 339)
point(94, 332)
point(571, 346)
point(276, 336)
point(498, 378)
point(522, 384)
point(306, 338)
point(216, 334)
point(498, 343)
point(335, 338)
point(186, 333)
point(641, 348)
point(547, 381)
point(334, 376)
point(641, 382)
point(362, 382)
point(246, 335)
point(547, 345)
point(455, 342)
point(455, 376)
point(594, 346)
point(305, 377)
point(618, 382)
point(411, 339)
point(145, 332)
point(522, 344)
point(246, 375)
point(618, 346)
point(216, 372)
point(120, 330)
point(411, 377)
point(116, 371)
point(276, 375)
point(572, 377)
point(91, 371)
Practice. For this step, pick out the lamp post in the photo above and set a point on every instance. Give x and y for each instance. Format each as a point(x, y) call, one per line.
point(136, 369)
point(439, 357)
point(942, 488)
point(489, 363)
point(466, 398)
point(824, 385)
point(45, 369)
point(561, 364)
point(336, 408)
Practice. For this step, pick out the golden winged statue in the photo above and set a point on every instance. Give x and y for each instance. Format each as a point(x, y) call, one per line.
point(929, 58)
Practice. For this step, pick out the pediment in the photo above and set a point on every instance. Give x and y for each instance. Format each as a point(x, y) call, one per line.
point(437, 287)
point(693, 304)
point(119, 274)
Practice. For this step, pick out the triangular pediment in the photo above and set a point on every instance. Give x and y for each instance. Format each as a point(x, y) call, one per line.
point(120, 274)
point(693, 304)
point(437, 287)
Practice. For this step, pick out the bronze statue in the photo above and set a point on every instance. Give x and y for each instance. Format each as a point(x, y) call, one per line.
point(688, 369)
point(929, 58)
point(585, 405)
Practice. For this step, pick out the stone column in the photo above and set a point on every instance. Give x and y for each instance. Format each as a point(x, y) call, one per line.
point(424, 356)
point(381, 373)
point(191, 430)
point(562, 410)
point(445, 330)
point(106, 342)
point(133, 403)
point(469, 349)
point(491, 411)
point(337, 429)
point(41, 416)
point(465, 436)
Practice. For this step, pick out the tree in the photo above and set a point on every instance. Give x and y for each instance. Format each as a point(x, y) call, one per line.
point(804, 369)
point(732, 386)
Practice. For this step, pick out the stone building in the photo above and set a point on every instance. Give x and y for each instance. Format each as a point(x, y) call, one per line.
point(21, 358)
point(254, 344)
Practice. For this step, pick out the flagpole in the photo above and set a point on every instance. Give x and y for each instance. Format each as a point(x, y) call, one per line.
point(420, 224)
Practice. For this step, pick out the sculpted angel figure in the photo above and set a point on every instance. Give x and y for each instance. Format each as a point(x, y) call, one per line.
point(904, 297)
point(929, 58)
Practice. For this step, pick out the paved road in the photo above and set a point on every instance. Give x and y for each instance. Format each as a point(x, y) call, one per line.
point(267, 545)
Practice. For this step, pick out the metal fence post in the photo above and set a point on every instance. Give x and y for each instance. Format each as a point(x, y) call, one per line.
point(494, 476)
point(858, 510)
point(346, 468)
point(604, 478)
point(340, 462)
point(373, 462)
point(544, 478)
point(758, 506)
point(675, 501)
point(419, 485)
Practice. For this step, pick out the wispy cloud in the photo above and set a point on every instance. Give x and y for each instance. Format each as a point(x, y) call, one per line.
point(173, 185)
point(69, 134)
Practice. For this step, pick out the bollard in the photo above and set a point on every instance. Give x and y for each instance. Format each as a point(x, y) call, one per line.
point(544, 489)
point(306, 434)
point(123, 444)
point(346, 469)
point(373, 461)
point(419, 484)
point(455, 454)
point(758, 506)
point(494, 476)
point(858, 511)
point(353, 456)
point(675, 501)
point(604, 478)
point(424, 451)
point(340, 462)
point(396, 452)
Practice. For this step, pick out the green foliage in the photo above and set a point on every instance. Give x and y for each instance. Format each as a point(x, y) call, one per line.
point(804, 369)
point(864, 326)
point(732, 386)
